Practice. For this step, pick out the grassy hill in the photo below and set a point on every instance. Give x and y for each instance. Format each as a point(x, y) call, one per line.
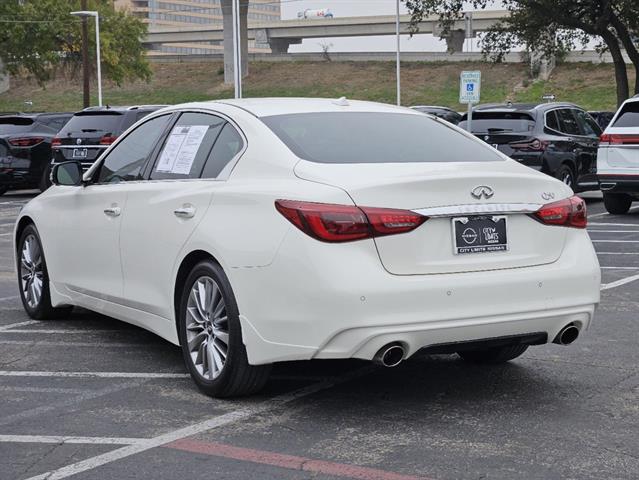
point(591, 86)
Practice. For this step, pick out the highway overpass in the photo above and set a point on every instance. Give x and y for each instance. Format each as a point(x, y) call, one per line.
point(279, 35)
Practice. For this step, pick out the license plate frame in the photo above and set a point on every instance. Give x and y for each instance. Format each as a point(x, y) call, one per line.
point(79, 153)
point(480, 234)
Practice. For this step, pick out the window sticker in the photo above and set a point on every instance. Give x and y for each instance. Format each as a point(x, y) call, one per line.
point(181, 149)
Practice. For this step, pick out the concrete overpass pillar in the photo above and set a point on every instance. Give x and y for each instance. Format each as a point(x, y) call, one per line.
point(277, 45)
point(4, 79)
point(455, 41)
point(227, 15)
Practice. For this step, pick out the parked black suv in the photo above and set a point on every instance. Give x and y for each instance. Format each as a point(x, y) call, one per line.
point(25, 148)
point(444, 113)
point(559, 139)
point(93, 129)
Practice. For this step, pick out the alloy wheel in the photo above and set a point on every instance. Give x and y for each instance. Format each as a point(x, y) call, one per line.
point(31, 271)
point(207, 328)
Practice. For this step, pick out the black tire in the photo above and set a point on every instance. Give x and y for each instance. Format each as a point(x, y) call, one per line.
point(493, 355)
point(566, 175)
point(41, 310)
point(617, 203)
point(236, 377)
point(45, 181)
point(3, 190)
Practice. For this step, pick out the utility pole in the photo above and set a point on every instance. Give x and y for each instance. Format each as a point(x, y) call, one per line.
point(85, 58)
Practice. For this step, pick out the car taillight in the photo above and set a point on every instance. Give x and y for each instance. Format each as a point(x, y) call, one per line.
point(107, 140)
point(535, 145)
point(346, 223)
point(570, 212)
point(619, 139)
point(26, 141)
point(56, 142)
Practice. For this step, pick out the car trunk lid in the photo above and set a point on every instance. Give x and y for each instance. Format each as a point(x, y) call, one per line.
point(442, 191)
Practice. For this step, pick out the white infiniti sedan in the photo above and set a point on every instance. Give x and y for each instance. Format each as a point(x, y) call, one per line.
point(262, 230)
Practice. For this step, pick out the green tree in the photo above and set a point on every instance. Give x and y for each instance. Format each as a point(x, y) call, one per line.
point(550, 27)
point(38, 36)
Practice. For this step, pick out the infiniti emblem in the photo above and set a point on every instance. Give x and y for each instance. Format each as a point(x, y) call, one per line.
point(482, 191)
point(548, 196)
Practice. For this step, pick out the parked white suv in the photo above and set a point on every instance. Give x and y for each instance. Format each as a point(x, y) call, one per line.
point(618, 159)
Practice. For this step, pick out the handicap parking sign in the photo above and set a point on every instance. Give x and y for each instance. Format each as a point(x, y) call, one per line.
point(469, 87)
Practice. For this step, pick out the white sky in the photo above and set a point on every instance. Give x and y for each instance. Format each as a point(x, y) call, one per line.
point(349, 8)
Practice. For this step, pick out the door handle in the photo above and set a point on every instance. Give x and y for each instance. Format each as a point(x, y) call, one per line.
point(185, 211)
point(113, 211)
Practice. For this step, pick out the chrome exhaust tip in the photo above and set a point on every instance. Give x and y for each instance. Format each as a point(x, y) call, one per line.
point(390, 355)
point(567, 335)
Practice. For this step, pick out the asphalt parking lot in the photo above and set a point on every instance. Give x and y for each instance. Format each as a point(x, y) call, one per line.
point(91, 397)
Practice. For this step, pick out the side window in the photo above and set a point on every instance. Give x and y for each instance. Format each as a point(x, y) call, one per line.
point(125, 162)
point(228, 145)
point(552, 121)
point(568, 122)
point(188, 146)
point(628, 116)
point(588, 126)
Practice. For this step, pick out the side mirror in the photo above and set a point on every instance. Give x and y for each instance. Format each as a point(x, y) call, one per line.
point(67, 173)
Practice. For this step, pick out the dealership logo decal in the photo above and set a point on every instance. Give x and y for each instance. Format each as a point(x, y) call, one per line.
point(482, 191)
point(469, 236)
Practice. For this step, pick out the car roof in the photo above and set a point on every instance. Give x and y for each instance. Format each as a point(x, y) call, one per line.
point(522, 107)
point(34, 115)
point(434, 107)
point(127, 108)
point(264, 107)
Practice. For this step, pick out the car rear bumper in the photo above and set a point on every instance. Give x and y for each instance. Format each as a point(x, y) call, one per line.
point(615, 183)
point(336, 301)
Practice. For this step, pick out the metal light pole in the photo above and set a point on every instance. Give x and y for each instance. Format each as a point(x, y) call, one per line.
point(399, 83)
point(237, 50)
point(96, 15)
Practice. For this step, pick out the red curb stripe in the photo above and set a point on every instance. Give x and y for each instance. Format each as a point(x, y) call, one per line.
point(287, 461)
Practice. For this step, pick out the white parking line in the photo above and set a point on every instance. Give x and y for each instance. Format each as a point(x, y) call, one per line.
point(632, 209)
point(5, 328)
point(613, 231)
point(66, 331)
point(619, 268)
point(618, 283)
point(6, 234)
point(149, 375)
point(47, 343)
point(215, 422)
point(596, 224)
point(614, 241)
point(66, 391)
point(14, 297)
point(617, 253)
point(64, 439)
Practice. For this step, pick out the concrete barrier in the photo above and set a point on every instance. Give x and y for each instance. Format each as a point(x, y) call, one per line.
point(589, 56)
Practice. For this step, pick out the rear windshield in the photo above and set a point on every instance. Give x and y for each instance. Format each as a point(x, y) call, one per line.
point(487, 122)
point(102, 123)
point(362, 137)
point(15, 125)
point(628, 116)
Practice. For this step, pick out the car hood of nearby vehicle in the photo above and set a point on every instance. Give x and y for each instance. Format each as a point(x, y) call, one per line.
point(421, 185)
